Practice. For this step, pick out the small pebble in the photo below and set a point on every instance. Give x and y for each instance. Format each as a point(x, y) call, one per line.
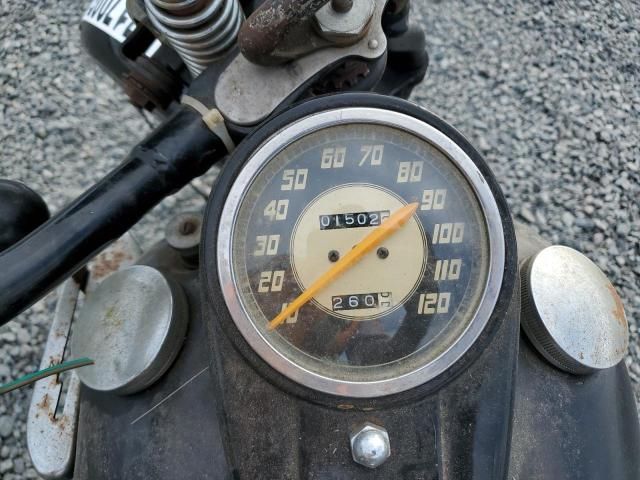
point(6, 426)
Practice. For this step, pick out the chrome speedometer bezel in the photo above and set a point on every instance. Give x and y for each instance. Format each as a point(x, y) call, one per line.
point(293, 132)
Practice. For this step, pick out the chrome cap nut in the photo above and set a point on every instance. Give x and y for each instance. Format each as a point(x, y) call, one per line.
point(370, 445)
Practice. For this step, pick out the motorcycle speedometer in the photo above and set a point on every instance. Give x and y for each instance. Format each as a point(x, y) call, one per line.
point(327, 183)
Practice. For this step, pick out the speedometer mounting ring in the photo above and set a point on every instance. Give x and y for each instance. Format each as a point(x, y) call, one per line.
point(274, 144)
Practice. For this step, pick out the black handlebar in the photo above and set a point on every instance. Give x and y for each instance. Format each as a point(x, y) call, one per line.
point(171, 156)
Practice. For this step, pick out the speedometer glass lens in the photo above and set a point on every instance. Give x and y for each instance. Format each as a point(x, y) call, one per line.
point(405, 301)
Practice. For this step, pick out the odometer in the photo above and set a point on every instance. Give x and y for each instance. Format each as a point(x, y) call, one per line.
point(360, 251)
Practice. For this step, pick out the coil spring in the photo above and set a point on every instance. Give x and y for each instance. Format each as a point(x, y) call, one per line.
point(199, 30)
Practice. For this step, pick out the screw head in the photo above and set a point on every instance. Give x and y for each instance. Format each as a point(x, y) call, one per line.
point(370, 445)
point(333, 256)
point(382, 252)
point(373, 44)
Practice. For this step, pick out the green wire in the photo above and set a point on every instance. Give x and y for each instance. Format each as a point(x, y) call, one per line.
point(46, 372)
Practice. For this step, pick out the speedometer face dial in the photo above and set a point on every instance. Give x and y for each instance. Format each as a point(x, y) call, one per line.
point(325, 191)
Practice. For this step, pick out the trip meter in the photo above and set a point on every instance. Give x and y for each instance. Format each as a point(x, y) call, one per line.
point(360, 250)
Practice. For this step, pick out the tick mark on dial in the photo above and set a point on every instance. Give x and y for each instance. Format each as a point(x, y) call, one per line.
point(333, 256)
point(382, 252)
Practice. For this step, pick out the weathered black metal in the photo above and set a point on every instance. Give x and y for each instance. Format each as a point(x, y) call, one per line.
point(407, 58)
point(176, 152)
point(573, 426)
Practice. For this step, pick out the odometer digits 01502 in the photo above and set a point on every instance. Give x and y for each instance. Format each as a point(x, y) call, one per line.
point(357, 249)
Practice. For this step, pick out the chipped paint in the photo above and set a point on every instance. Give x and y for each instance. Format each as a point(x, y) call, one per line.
point(109, 261)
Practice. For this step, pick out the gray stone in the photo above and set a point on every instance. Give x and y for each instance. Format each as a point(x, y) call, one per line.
point(567, 219)
point(623, 229)
point(18, 465)
point(6, 466)
point(6, 426)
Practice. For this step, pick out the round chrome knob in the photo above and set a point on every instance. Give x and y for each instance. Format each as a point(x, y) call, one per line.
point(571, 311)
point(132, 325)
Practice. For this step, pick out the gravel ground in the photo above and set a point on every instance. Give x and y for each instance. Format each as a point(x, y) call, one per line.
point(548, 91)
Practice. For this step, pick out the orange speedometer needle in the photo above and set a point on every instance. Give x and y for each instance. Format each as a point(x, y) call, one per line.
point(374, 238)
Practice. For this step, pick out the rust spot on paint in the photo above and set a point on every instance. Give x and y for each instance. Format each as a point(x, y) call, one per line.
point(109, 261)
point(44, 404)
point(61, 422)
point(618, 312)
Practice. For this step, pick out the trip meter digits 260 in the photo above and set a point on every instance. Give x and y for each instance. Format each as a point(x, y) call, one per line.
point(356, 251)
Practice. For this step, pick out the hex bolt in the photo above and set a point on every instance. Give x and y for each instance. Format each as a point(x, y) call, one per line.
point(370, 445)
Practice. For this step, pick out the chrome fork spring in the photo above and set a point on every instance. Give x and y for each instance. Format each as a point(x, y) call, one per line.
point(199, 30)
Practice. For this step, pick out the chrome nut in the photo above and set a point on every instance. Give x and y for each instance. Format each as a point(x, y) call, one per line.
point(370, 445)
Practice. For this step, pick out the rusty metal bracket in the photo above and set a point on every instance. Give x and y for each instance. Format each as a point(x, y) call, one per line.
point(51, 437)
point(264, 32)
point(282, 30)
point(247, 93)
